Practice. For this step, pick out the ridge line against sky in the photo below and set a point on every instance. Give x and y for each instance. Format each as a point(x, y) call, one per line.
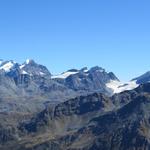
point(68, 34)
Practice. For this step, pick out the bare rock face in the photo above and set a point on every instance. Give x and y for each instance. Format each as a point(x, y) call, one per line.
point(89, 122)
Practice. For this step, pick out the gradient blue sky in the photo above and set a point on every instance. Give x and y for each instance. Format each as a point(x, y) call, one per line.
point(63, 34)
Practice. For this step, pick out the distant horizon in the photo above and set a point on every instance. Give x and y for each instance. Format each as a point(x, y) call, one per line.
point(57, 73)
point(114, 35)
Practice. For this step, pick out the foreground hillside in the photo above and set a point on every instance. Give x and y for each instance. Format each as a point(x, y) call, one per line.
point(90, 122)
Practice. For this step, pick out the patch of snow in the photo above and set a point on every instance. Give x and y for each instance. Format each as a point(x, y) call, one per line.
point(129, 86)
point(86, 70)
point(22, 66)
point(100, 70)
point(41, 73)
point(64, 75)
point(27, 61)
point(24, 72)
point(118, 86)
point(7, 66)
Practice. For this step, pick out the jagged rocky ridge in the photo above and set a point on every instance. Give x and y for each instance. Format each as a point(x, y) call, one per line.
point(90, 122)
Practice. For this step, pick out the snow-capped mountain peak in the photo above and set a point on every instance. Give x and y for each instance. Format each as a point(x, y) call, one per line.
point(32, 68)
point(29, 61)
point(29, 67)
point(70, 72)
point(7, 66)
point(94, 79)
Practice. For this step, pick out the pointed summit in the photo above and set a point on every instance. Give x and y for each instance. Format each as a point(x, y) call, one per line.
point(33, 68)
point(29, 61)
point(97, 68)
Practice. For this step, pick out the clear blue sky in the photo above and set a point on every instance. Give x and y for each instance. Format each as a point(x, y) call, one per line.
point(63, 34)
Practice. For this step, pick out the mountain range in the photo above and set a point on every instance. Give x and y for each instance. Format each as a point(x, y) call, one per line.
point(80, 109)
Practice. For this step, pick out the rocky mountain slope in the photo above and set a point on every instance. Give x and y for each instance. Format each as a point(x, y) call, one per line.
point(76, 110)
point(90, 122)
point(28, 87)
point(91, 80)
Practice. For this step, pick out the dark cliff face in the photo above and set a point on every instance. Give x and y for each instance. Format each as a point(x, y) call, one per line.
point(74, 109)
point(89, 122)
point(127, 128)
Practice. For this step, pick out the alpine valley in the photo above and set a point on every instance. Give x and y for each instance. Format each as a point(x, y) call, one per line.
point(80, 109)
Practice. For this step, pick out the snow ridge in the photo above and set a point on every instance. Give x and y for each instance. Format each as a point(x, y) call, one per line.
point(64, 75)
point(117, 86)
